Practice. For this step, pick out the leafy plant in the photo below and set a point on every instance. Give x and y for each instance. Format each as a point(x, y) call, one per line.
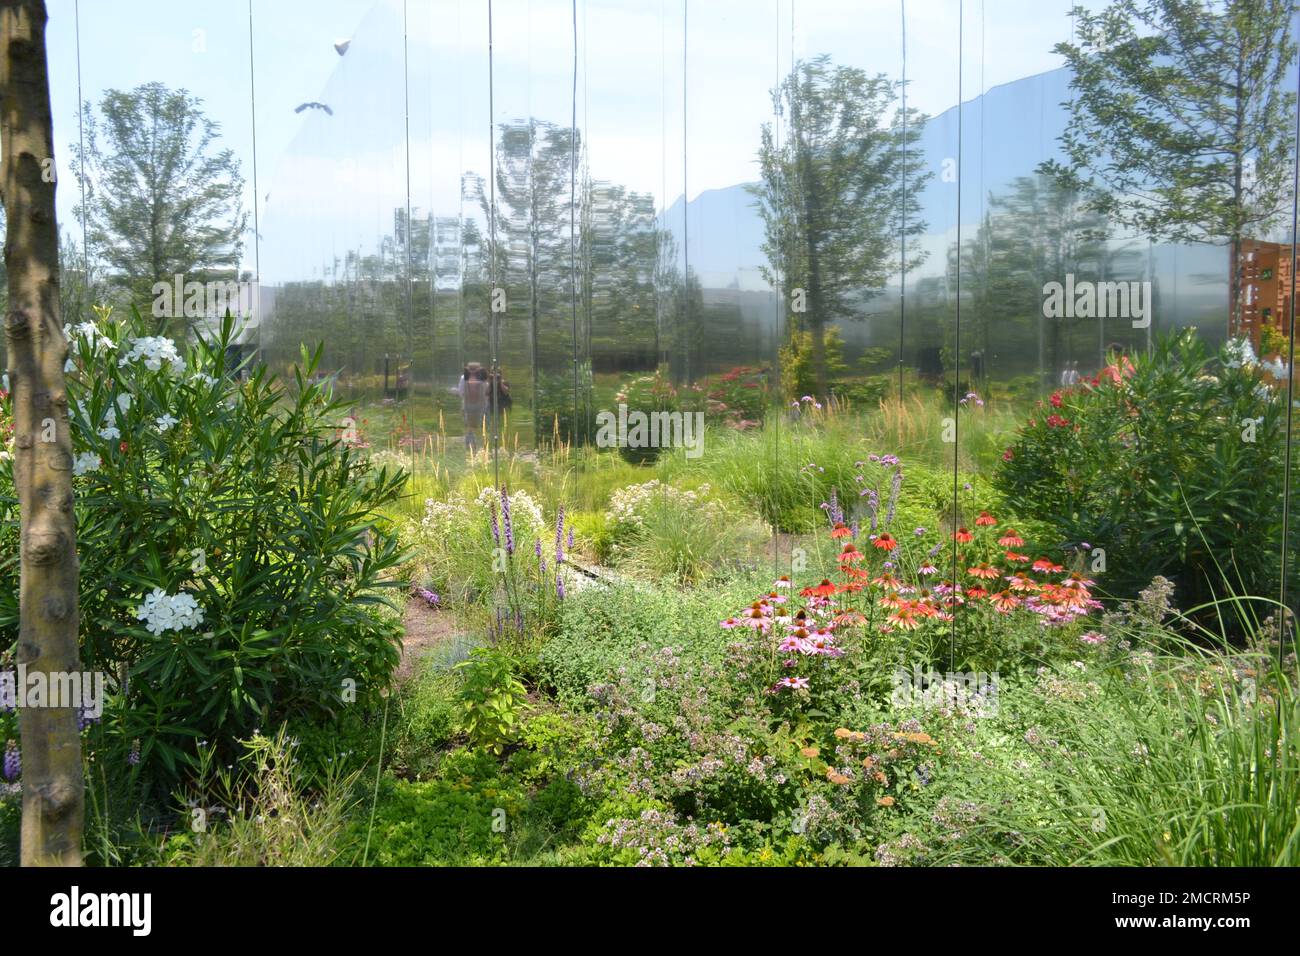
point(492, 699)
point(233, 561)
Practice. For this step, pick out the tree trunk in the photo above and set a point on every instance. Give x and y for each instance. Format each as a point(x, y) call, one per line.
point(53, 796)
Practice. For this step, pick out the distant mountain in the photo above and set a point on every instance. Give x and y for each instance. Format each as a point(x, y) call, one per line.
point(1005, 133)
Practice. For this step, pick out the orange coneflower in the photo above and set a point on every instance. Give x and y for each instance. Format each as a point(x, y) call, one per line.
point(974, 592)
point(886, 542)
point(904, 618)
point(892, 600)
point(961, 536)
point(983, 571)
point(841, 530)
point(825, 589)
point(1023, 583)
point(1015, 558)
point(1010, 539)
point(1044, 565)
point(1004, 602)
point(850, 554)
point(985, 520)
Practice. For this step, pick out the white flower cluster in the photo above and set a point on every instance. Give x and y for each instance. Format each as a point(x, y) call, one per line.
point(439, 518)
point(1239, 353)
point(155, 350)
point(97, 339)
point(524, 511)
point(627, 505)
point(169, 612)
point(86, 461)
point(110, 429)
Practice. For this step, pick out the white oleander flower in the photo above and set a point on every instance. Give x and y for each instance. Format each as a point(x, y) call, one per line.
point(154, 351)
point(86, 461)
point(165, 422)
point(169, 612)
point(109, 429)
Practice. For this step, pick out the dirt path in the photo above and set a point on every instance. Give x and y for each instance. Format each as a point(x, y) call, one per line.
point(424, 628)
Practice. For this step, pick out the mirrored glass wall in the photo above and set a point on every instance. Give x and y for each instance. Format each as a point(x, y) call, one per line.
point(916, 222)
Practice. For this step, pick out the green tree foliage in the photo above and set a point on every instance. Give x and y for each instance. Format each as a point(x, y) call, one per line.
point(838, 192)
point(1181, 125)
point(161, 197)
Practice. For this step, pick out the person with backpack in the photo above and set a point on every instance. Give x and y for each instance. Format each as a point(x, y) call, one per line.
point(473, 391)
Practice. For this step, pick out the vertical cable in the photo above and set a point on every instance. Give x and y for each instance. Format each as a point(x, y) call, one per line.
point(573, 223)
point(493, 331)
point(257, 226)
point(781, 277)
point(686, 206)
point(81, 140)
point(410, 228)
point(902, 232)
point(956, 411)
point(1290, 390)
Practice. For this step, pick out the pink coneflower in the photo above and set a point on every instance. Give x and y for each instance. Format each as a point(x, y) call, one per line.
point(1010, 539)
point(792, 683)
point(1022, 583)
point(729, 623)
point(1093, 637)
point(927, 568)
point(782, 582)
point(1045, 566)
point(985, 520)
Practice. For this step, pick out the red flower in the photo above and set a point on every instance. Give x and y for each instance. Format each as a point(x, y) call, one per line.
point(985, 520)
point(961, 536)
point(886, 542)
point(841, 531)
point(1007, 455)
point(825, 589)
point(123, 447)
point(850, 554)
point(1056, 399)
point(976, 592)
point(1056, 421)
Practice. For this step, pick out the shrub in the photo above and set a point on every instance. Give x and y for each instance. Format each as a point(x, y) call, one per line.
point(232, 558)
point(1172, 464)
point(491, 698)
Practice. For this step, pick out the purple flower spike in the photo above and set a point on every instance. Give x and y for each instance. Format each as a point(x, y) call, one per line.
point(13, 766)
point(506, 525)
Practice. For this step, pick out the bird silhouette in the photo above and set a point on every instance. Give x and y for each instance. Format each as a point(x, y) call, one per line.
point(315, 106)
point(341, 46)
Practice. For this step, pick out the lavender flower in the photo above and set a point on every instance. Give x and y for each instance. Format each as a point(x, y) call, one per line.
point(13, 766)
point(506, 525)
point(559, 587)
point(429, 597)
point(559, 535)
point(893, 496)
point(537, 547)
point(570, 542)
point(873, 506)
point(133, 758)
point(496, 530)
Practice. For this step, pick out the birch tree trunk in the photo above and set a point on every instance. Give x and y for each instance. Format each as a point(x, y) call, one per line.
point(53, 795)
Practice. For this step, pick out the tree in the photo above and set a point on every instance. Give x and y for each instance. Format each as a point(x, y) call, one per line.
point(840, 193)
point(1180, 125)
point(53, 794)
point(160, 200)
